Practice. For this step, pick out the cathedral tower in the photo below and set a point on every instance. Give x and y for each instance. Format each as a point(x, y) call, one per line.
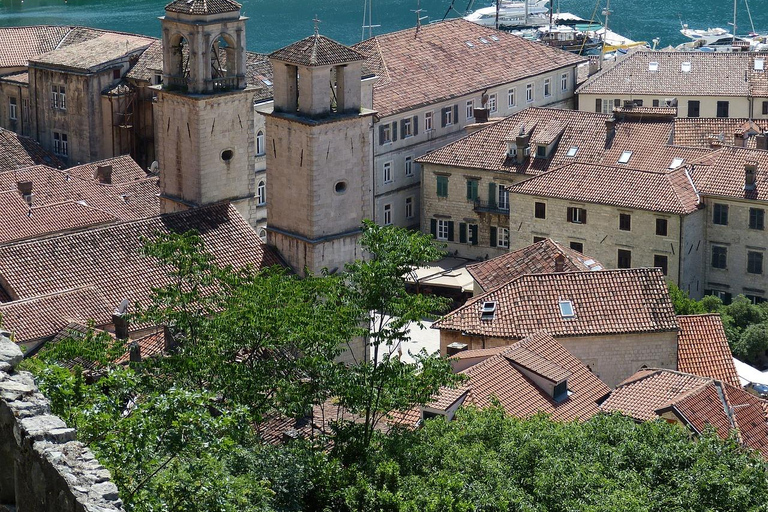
point(319, 155)
point(204, 110)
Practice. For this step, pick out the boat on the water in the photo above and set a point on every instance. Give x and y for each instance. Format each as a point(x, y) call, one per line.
point(721, 40)
point(569, 38)
point(511, 14)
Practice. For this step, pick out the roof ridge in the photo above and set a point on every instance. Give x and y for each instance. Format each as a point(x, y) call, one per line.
point(48, 295)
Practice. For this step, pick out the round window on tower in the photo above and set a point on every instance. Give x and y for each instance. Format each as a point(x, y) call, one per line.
point(227, 155)
point(340, 187)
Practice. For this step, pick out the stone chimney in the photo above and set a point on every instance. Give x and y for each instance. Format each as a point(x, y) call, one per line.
point(740, 139)
point(559, 263)
point(481, 115)
point(750, 175)
point(761, 141)
point(134, 352)
point(120, 320)
point(455, 347)
point(104, 174)
point(610, 129)
point(523, 144)
point(25, 189)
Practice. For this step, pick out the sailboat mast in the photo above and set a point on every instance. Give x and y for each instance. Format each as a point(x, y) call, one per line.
point(497, 13)
point(606, 13)
point(734, 21)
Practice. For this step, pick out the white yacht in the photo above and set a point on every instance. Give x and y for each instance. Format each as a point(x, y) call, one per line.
point(512, 14)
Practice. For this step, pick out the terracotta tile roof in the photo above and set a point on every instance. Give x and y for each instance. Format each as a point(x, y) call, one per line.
point(702, 348)
point(479, 352)
point(317, 50)
point(498, 377)
point(58, 263)
point(758, 78)
point(605, 302)
point(486, 149)
point(124, 170)
point(150, 62)
point(259, 75)
point(711, 74)
point(19, 44)
point(149, 346)
point(696, 401)
point(18, 78)
point(278, 429)
point(18, 151)
point(35, 319)
point(657, 191)
point(434, 64)
point(722, 173)
point(705, 132)
point(203, 6)
point(91, 54)
point(538, 258)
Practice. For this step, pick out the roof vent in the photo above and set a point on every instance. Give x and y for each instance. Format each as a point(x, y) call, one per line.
point(653, 66)
point(625, 156)
point(566, 308)
point(488, 310)
point(750, 175)
point(759, 64)
point(685, 67)
point(469, 43)
point(676, 162)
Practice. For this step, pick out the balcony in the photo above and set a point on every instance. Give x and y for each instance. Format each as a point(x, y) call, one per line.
point(491, 207)
point(223, 83)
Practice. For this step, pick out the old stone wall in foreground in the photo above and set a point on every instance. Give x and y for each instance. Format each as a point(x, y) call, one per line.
point(42, 467)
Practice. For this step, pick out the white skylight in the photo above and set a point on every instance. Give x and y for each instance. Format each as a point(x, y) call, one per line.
point(625, 156)
point(653, 66)
point(676, 162)
point(566, 309)
point(484, 40)
point(469, 43)
point(759, 64)
point(685, 67)
point(572, 151)
point(267, 81)
point(495, 38)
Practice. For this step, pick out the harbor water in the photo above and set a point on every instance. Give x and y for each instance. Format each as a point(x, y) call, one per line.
point(276, 23)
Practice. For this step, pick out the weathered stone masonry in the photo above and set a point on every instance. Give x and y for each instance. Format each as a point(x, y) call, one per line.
point(42, 467)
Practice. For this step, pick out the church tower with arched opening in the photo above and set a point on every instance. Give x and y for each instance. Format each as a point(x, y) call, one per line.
point(204, 110)
point(319, 155)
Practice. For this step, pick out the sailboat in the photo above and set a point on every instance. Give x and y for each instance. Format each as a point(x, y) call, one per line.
point(719, 39)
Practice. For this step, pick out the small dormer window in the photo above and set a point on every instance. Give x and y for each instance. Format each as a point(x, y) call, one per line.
point(541, 151)
point(653, 66)
point(625, 156)
point(566, 309)
point(560, 392)
point(572, 151)
point(488, 310)
point(676, 162)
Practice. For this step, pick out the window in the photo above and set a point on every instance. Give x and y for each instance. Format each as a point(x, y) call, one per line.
point(755, 299)
point(471, 190)
point(661, 262)
point(538, 239)
point(577, 215)
point(385, 133)
point(428, 121)
point(473, 228)
point(503, 198)
point(13, 113)
point(661, 227)
point(58, 97)
point(694, 108)
point(406, 127)
point(564, 82)
point(60, 144)
point(442, 229)
point(607, 106)
point(540, 210)
point(387, 214)
point(263, 234)
point(442, 186)
point(719, 256)
point(625, 222)
point(541, 151)
point(470, 109)
point(492, 103)
point(722, 295)
point(260, 146)
point(577, 246)
point(409, 166)
point(655, 103)
point(625, 259)
point(754, 262)
point(566, 310)
point(387, 172)
point(547, 87)
point(625, 156)
point(340, 187)
point(529, 93)
point(722, 109)
point(511, 101)
point(448, 116)
point(115, 74)
point(720, 214)
point(572, 151)
point(261, 193)
point(765, 108)
point(756, 218)
point(503, 238)
point(408, 207)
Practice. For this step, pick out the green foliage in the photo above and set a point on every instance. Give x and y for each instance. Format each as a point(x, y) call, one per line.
point(683, 304)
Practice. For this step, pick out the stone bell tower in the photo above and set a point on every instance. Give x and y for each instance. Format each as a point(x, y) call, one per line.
point(319, 155)
point(204, 110)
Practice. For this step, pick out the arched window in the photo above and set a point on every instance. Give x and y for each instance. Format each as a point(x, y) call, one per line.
point(263, 234)
point(260, 149)
point(261, 193)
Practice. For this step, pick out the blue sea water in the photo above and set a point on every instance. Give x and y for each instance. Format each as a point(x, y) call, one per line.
point(276, 23)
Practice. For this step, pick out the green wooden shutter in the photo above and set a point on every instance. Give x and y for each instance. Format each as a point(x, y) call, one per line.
point(415, 125)
point(381, 134)
point(394, 131)
point(583, 216)
point(455, 114)
point(450, 231)
point(433, 227)
point(443, 117)
point(569, 214)
point(493, 236)
point(473, 234)
point(492, 195)
point(402, 127)
point(462, 232)
point(469, 190)
point(598, 105)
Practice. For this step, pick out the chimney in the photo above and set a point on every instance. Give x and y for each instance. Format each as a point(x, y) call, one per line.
point(121, 325)
point(750, 175)
point(25, 189)
point(455, 347)
point(740, 139)
point(481, 115)
point(610, 129)
point(559, 263)
point(761, 141)
point(169, 341)
point(134, 352)
point(522, 142)
point(104, 174)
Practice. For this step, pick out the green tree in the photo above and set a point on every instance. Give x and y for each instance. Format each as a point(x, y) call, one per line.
point(752, 342)
point(682, 303)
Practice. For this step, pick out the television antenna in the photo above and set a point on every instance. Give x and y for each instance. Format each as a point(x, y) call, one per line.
point(419, 17)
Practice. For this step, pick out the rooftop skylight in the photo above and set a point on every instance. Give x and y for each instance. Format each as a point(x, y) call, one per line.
point(495, 38)
point(625, 156)
point(572, 151)
point(484, 40)
point(653, 66)
point(685, 67)
point(487, 310)
point(469, 43)
point(759, 64)
point(566, 309)
point(676, 162)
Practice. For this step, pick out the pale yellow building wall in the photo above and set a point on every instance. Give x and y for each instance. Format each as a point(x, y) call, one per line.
point(738, 106)
point(22, 123)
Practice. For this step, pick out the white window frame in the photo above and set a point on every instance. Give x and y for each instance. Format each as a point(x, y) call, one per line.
point(409, 207)
point(54, 96)
point(261, 193)
point(607, 106)
point(529, 96)
point(547, 87)
point(386, 132)
point(13, 108)
point(502, 198)
point(502, 238)
point(386, 172)
point(428, 121)
point(442, 229)
point(448, 116)
point(564, 82)
point(60, 144)
point(512, 97)
point(470, 109)
point(260, 144)
point(388, 214)
point(409, 166)
point(407, 127)
point(493, 103)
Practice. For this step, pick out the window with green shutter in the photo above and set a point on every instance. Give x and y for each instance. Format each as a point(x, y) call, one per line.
point(462, 232)
point(442, 186)
point(471, 190)
point(473, 234)
point(493, 236)
point(492, 195)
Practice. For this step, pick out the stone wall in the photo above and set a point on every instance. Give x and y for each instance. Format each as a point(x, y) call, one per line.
point(42, 467)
